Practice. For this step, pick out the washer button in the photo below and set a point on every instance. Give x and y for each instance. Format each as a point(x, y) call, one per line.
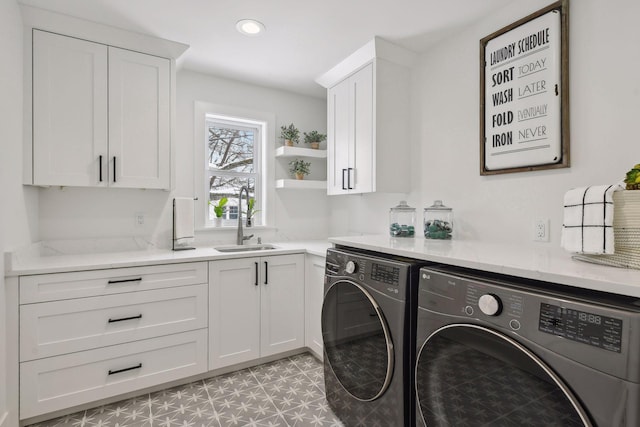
point(361, 277)
point(515, 325)
point(469, 310)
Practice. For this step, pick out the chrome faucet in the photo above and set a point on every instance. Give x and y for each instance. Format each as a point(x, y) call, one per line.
point(241, 237)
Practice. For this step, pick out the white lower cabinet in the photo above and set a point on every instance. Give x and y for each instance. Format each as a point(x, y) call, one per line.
point(256, 308)
point(91, 335)
point(314, 296)
point(55, 383)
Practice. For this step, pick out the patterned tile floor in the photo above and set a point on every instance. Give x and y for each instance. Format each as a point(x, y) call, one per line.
point(285, 393)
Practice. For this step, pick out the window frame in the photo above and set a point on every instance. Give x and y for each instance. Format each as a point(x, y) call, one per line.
point(264, 192)
point(257, 174)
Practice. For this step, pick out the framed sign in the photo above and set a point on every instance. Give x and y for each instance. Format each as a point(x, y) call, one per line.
point(524, 94)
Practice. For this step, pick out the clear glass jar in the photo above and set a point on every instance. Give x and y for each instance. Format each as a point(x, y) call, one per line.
point(402, 220)
point(438, 221)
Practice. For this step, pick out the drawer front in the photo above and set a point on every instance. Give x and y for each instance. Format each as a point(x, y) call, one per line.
point(59, 286)
point(60, 327)
point(61, 382)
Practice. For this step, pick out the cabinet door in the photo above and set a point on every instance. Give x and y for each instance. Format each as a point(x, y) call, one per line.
point(313, 296)
point(69, 110)
point(282, 303)
point(338, 138)
point(234, 311)
point(361, 177)
point(139, 120)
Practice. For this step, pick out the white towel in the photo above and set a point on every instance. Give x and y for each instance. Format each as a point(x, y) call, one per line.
point(588, 220)
point(183, 223)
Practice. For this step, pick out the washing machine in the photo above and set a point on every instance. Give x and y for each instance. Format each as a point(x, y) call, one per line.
point(368, 330)
point(501, 351)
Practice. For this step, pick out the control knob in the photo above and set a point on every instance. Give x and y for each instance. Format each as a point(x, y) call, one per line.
point(490, 304)
point(351, 267)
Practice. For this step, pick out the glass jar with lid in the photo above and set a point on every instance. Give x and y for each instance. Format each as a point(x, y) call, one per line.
point(402, 220)
point(438, 221)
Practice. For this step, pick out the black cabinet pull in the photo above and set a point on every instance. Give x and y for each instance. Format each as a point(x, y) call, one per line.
point(256, 283)
point(137, 279)
point(343, 171)
point(100, 166)
point(117, 371)
point(122, 319)
point(114, 168)
point(349, 187)
point(266, 273)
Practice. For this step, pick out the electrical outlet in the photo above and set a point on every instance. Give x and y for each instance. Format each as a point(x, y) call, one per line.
point(541, 230)
point(139, 219)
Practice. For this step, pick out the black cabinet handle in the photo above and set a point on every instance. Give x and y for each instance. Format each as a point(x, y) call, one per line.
point(117, 371)
point(137, 279)
point(114, 168)
point(349, 187)
point(343, 171)
point(100, 166)
point(266, 273)
point(256, 283)
point(122, 319)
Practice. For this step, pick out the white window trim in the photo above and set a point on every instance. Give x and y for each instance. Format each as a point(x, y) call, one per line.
point(201, 111)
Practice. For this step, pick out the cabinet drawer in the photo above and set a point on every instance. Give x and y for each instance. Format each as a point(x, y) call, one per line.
point(58, 286)
point(60, 382)
point(59, 327)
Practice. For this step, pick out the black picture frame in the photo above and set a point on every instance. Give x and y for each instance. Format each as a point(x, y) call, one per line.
point(524, 94)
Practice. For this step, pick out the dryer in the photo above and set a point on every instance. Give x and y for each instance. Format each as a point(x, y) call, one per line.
point(495, 350)
point(368, 330)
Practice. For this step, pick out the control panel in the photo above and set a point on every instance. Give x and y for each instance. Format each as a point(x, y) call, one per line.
point(581, 326)
point(385, 275)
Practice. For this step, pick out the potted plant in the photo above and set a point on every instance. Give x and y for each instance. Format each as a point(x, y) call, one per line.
point(251, 211)
point(290, 134)
point(219, 209)
point(314, 138)
point(299, 168)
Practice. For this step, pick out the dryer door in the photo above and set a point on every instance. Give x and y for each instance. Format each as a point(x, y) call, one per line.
point(357, 341)
point(472, 375)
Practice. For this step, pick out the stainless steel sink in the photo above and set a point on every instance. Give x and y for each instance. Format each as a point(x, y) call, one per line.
point(245, 248)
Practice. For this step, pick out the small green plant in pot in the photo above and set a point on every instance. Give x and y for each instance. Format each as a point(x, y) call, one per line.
point(299, 168)
point(314, 138)
point(219, 209)
point(290, 134)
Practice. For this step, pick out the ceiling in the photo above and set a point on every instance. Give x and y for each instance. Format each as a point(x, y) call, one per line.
point(303, 39)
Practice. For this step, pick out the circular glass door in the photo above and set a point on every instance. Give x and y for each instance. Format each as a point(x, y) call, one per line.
point(356, 338)
point(468, 375)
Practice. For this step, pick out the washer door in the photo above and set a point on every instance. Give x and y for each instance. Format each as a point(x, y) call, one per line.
point(468, 375)
point(357, 342)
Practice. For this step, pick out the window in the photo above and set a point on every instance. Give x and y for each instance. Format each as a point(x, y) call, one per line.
point(233, 160)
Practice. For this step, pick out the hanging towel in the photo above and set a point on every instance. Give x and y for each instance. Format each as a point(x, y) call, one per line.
point(588, 219)
point(183, 223)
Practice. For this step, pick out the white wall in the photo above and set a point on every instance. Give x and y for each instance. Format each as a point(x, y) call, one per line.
point(298, 214)
point(604, 104)
point(77, 213)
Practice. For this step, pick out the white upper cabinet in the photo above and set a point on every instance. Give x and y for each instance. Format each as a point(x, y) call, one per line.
point(139, 118)
point(368, 120)
point(101, 115)
point(69, 110)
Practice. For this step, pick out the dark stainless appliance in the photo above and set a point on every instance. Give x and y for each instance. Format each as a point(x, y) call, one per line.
point(499, 351)
point(368, 329)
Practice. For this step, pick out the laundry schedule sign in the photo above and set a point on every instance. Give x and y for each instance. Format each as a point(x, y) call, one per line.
point(522, 96)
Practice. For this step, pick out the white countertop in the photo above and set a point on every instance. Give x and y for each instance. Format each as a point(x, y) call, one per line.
point(31, 262)
point(541, 263)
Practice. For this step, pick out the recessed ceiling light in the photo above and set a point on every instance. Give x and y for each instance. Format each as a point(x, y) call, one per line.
point(250, 27)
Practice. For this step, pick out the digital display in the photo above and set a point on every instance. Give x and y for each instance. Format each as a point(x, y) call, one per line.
point(385, 274)
point(588, 328)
